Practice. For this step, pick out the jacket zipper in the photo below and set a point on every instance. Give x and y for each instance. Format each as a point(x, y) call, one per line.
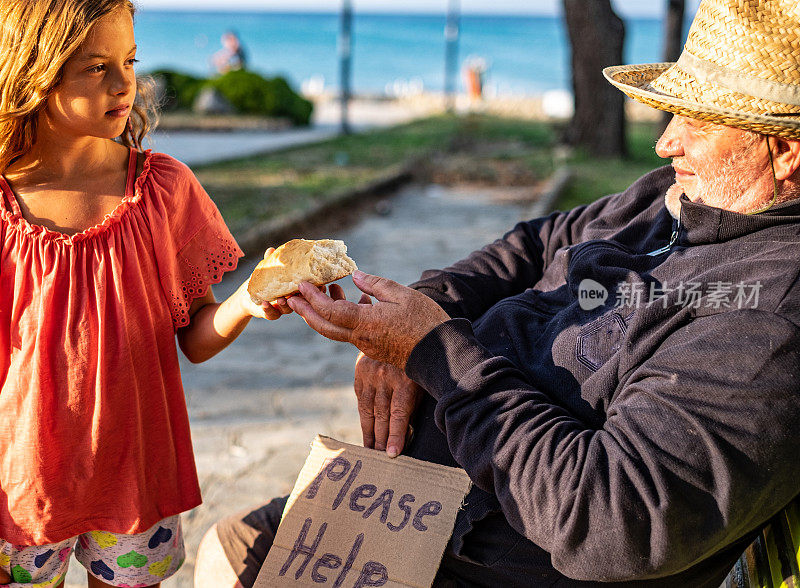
point(672, 238)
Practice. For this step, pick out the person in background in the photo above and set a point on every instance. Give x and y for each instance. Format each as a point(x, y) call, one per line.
point(474, 72)
point(232, 55)
point(108, 255)
point(620, 381)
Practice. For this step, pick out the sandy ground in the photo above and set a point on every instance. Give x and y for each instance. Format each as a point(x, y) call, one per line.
point(256, 407)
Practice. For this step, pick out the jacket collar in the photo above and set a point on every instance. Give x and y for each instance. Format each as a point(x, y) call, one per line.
point(705, 224)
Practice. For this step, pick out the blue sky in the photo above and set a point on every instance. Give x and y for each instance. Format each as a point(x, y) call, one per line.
point(626, 8)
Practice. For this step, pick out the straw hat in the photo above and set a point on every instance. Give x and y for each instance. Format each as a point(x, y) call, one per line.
point(740, 67)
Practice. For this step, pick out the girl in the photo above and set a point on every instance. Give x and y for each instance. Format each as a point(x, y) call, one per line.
point(107, 253)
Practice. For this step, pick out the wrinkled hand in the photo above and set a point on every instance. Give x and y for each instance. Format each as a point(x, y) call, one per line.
point(387, 399)
point(387, 330)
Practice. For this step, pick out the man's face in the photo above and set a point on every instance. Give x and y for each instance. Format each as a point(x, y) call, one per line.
point(717, 165)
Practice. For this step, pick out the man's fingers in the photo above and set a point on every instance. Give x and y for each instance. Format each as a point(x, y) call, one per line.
point(366, 397)
point(404, 402)
point(387, 400)
point(318, 322)
point(382, 411)
point(336, 292)
point(398, 424)
point(377, 287)
point(275, 309)
point(337, 312)
point(270, 313)
point(395, 442)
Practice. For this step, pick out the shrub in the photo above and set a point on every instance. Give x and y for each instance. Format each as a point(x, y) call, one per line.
point(250, 93)
point(179, 89)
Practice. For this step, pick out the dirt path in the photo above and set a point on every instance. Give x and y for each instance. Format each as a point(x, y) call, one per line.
point(256, 407)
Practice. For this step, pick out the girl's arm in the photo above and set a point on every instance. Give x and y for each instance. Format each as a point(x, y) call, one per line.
point(214, 325)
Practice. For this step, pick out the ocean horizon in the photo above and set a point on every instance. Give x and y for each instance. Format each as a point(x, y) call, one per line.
point(392, 53)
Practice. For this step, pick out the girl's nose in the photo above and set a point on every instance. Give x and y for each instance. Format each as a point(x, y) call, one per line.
point(122, 83)
point(669, 144)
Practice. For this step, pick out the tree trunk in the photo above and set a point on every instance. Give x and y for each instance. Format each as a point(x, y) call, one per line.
point(596, 35)
point(673, 29)
point(673, 39)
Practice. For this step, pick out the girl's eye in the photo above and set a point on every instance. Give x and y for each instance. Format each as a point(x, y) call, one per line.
point(96, 69)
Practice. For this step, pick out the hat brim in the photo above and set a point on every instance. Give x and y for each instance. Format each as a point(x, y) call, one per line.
point(635, 81)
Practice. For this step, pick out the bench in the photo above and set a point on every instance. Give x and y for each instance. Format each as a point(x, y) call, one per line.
point(773, 559)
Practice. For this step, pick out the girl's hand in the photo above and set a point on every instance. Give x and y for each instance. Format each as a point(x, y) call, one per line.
point(269, 310)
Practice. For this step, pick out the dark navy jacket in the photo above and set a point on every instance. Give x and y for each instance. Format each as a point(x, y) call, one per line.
point(625, 417)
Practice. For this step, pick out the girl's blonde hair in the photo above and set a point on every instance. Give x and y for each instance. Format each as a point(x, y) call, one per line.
point(37, 37)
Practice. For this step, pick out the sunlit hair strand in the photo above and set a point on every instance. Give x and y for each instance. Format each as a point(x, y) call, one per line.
point(37, 37)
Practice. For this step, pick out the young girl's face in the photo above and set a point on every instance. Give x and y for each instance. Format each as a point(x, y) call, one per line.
point(98, 83)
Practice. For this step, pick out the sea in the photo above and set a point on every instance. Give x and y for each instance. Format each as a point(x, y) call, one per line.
point(392, 54)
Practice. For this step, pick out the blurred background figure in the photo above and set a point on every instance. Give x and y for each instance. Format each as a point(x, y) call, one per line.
point(475, 77)
point(232, 55)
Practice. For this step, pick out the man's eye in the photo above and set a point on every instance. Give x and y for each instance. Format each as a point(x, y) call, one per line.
point(132, 60)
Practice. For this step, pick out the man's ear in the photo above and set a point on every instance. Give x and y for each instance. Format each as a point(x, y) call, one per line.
point(785, 156)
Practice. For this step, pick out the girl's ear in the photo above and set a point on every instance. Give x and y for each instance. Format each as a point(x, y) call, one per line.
point(785, 156)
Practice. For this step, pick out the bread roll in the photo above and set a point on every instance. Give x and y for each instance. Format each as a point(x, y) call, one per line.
point(280, 272)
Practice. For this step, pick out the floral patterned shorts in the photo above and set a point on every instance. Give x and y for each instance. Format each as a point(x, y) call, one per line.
point(143, 559)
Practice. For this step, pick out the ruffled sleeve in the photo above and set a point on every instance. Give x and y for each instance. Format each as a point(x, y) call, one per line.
point(193, 246)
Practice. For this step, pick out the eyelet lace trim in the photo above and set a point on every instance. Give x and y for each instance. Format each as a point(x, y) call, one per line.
point(216, 261)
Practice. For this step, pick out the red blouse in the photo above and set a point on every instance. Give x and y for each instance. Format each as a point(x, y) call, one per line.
point(94, 432)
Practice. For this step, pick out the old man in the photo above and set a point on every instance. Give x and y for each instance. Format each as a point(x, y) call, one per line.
point(621, 381)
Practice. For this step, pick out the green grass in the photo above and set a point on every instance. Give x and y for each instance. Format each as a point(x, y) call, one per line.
point(373, 149)
point(476, 148)
point(260, 187)
point(593, 178)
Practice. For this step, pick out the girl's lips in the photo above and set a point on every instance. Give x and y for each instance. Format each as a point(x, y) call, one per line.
point(119, 112)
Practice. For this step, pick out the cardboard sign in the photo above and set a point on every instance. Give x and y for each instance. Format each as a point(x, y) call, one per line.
point(358, 518)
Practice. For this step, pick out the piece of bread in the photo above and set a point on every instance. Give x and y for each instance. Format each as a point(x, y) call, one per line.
point(280, 272)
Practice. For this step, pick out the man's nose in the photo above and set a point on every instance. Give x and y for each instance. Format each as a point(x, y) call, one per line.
point(669, 144)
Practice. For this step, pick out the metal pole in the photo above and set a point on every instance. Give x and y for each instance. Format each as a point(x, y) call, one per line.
point(451, 33)
point(345, 62)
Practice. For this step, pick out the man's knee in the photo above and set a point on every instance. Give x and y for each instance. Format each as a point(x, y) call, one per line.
point(237, 546)
point(212, 567)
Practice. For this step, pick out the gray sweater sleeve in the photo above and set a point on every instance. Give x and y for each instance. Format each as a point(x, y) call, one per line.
point(699, 446)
